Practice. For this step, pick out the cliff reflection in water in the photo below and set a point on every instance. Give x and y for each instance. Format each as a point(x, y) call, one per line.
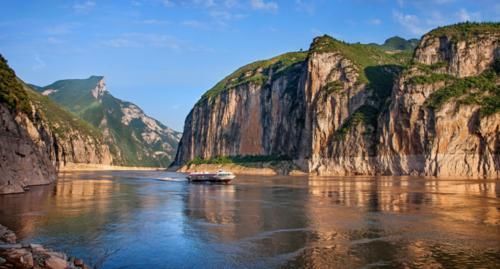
point(351, 222)
point(130, 220)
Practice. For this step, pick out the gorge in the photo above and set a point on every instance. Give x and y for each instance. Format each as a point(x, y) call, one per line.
point(85, 125)
point(355, 109)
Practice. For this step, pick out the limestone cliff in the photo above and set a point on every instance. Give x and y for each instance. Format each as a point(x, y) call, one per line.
point(443, 119)
point(263, 115)
point(135, 138)
point(346, 109)
point(37, 137)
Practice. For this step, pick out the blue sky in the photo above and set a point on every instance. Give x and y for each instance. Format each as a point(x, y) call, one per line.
point(163, 54)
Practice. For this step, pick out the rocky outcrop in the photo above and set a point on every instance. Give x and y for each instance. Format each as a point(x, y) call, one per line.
point(350, 109)
point(32, 256)
point(453, 140)
point(135, 138)
point(37, 138)
point(460, 56)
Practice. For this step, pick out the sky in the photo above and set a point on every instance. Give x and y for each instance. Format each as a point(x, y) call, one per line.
point(164, 54)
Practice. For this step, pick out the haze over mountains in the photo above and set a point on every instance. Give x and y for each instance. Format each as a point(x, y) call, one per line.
point(134, 138)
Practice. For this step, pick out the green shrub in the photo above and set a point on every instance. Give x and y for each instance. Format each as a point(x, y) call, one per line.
point(365, 114)
point(429, 78)
point(12, 92)
point(279, 65)
point(482, 90)
point(465, 30)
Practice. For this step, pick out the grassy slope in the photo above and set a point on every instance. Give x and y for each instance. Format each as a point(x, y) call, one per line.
point(398, 43)
point(461, 31)
point(12, 92)
point(18, 97)
point(279, 64)
point(75, 94)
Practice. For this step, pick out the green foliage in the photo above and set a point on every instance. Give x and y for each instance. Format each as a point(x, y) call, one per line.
point(399, 43)
point(429, 78)
point(74, 94)
point(465, 30)
point(125, 143)
point(60, 120)
point(333, 86)
point(381, 79)
point(240, 159)
point(362, 55)
point(482, 90)
point(12, 92)
point(256, 73)
point(366, 114)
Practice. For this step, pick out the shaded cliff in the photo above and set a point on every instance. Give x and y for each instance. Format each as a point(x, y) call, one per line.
point(344, 109)
point(134, 138)
point(37, 137)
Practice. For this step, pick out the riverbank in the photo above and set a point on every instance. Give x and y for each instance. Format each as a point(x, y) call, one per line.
point(13, 187)
point(253, 168)
point(102, 167)
point(32, 256)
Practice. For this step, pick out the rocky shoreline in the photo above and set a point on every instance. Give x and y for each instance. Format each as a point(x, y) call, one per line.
point(32, 256)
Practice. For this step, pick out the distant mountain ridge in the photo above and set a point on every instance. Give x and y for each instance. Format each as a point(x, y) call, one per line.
point(133, 137)
point(399, 43)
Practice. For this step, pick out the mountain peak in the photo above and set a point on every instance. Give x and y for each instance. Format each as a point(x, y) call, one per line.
point(399, 43)
point(100, 88)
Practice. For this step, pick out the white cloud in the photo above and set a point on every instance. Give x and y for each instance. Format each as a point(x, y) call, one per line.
point(194, 24)
point(54, 40)
point(306, 6)
point(375, 21)
point(39, 63)
point(141, 40)
point(60, 29)
point(410, 22)
point(84, 7)
point(440, 2)
point(464, 15)
point(168, 3)
point(263, 5)
point(153, 21)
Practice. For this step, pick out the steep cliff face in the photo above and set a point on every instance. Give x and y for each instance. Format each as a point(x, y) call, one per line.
point(443, 119)
point(134, 138)
point(37, 137)
point(258, 110)
point(353, 109)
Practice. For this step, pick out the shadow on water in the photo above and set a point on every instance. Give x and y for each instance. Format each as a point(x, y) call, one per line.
point(131, 220)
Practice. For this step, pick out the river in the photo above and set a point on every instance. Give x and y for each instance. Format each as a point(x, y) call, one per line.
point(132, 219)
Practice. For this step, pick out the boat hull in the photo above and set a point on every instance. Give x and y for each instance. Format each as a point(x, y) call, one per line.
point(212, 178)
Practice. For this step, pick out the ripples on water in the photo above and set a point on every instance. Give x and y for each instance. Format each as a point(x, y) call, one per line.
point(158, 220)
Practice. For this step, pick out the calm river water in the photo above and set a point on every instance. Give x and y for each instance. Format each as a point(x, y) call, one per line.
point(134, 220)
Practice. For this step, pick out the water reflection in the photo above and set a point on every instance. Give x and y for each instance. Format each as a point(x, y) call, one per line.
point(130, 220)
